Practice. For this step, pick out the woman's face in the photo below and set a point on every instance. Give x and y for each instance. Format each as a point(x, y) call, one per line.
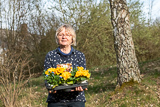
point(64, 38)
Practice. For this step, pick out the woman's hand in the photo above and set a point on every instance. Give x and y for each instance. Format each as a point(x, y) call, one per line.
point(51, 91)
point(79, 89)
point(76, 89)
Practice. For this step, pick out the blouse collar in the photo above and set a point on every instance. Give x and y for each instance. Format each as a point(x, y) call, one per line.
point(59, 51)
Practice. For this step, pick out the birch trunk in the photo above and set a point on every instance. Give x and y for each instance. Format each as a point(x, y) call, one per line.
point(127, 63)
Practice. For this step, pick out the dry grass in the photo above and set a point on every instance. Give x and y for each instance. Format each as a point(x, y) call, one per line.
point(101, 91)
point(14, 75)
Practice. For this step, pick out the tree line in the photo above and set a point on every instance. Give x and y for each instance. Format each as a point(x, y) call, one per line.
point(92, 22)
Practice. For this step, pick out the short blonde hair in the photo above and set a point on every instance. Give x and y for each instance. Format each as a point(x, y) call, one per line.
point(69, 29)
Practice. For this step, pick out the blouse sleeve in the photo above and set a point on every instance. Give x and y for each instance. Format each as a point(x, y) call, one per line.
point(47, 62)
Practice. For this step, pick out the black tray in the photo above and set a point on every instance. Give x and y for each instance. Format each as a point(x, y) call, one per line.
point(71, 87)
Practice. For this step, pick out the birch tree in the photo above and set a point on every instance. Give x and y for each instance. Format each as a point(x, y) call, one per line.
point(127, 64)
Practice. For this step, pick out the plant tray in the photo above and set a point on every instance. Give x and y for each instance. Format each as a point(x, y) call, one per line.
point(70, 87)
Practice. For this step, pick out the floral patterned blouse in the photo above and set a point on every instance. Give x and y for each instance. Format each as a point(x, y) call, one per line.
point(55, 57)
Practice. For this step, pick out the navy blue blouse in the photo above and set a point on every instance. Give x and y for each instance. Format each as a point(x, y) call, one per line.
point(55, 57)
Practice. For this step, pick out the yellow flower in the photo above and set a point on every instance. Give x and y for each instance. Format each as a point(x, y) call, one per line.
point(51, 70)
point(66, 75)
point(85, 72)
point(78, 73)
point(59, 70)
point(80, 68)
point(46, 72)
point(88, 75)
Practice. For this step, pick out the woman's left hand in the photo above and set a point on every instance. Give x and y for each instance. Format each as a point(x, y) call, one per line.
point(79, 89)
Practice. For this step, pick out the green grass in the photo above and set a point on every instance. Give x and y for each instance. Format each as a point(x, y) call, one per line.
point(102, 90)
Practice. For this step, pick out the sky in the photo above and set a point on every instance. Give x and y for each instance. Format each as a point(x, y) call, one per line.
point(155, 8)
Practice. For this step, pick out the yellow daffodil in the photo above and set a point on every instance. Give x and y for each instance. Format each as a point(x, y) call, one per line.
point(66, 75)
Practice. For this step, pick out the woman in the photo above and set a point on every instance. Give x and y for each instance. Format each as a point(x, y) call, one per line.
point(65, 53)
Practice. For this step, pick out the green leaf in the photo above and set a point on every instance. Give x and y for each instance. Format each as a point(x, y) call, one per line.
point(70, 82)
point(83, 78)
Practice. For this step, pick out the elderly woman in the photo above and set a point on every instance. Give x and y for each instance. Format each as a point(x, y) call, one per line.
point(65, 53)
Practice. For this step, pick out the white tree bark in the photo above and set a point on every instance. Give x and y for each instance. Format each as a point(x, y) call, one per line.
point(127, 63)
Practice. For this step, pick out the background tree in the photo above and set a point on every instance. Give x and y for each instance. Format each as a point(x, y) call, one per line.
point(127, 64)
point(26, 24)
point(12, 85)
point(24, 28)
point(91, 21)
point(144, 32)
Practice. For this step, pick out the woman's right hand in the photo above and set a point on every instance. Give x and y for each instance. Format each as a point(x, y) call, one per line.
point(51, 91)
point(79, 89)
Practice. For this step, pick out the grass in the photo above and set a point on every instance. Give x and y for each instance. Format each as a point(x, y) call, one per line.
point(102, 90)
